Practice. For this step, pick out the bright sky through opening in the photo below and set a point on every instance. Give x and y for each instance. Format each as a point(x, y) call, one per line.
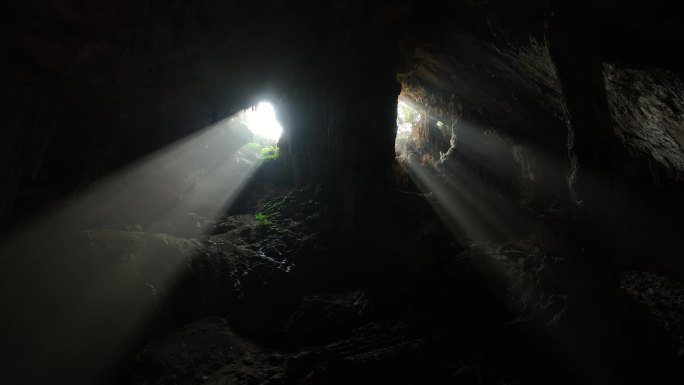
point(262, 121)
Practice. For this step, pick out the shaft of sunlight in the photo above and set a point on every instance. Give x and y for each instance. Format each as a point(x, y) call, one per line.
point(75, 297)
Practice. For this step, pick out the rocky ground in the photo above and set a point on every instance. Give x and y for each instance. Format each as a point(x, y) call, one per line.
point(268, 294)
point(251, 303)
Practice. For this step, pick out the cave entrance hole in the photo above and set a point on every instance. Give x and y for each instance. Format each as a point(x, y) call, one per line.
point(420, 134)
point(262, 122)
point(408, 119)
point(259, 129)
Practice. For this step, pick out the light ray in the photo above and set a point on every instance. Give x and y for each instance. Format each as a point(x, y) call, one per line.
point(73, 293)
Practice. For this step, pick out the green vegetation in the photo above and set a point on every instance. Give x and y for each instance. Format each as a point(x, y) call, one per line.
point(260, 150)
point(407, 118)
point(262, 219)
point(269, 153)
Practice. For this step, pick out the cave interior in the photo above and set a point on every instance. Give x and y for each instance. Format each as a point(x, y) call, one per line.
point(341, 192)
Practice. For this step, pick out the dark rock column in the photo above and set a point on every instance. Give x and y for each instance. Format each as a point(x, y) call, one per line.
point(27, 121)
point(592, 149)
point(340, 123)
point(587, 329)
point(38, 54)
point(341, 138)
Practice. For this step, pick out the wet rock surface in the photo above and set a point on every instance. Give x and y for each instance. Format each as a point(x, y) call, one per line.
point(273, 334)
point(662, 298)
point(323, 318)
point(648, 109)
point(206, 351)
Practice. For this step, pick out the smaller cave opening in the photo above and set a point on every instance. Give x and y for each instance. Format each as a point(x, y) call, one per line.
point(262, 122)
point(420, 135)
point(257, 130)
point(408, 118)
point(262, 132)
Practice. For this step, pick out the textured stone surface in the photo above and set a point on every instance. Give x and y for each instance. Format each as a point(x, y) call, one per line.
point(648, 111)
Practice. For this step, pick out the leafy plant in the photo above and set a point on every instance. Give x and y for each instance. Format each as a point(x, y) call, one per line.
point(269, 153)
point(262, 219)
point(407, 118)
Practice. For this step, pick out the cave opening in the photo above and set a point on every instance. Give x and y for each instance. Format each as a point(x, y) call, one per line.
point(421, 134)
point(407, 120)
point(262, 122)
point(260, 128)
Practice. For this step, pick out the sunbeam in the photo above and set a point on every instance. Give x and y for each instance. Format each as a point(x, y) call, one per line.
point(464, 187)
point(98, 301)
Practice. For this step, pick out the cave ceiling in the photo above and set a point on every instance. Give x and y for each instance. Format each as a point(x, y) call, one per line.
point(185, 63)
